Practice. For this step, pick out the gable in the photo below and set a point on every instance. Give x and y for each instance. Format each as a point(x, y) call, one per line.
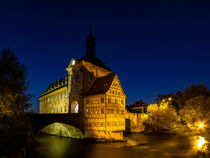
point(116, 87)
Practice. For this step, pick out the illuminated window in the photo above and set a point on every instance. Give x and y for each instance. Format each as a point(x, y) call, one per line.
point(108, 111)
point(115, 101)
point(117, 111)
point(87, 101)
point(102, 100)
point(122, 102)
point(112, 111)
point(102, 124)
point(122, 111)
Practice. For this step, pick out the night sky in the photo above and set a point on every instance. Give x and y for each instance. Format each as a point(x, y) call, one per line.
point(154, 47)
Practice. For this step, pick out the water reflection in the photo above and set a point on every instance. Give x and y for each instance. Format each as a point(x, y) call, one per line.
point(137, 145)
point(202, 145)
point(201, 142)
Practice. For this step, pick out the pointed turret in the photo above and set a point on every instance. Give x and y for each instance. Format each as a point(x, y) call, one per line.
point(90, 43)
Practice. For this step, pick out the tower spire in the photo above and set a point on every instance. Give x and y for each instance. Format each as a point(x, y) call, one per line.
point(90, 29)
point(90, 44)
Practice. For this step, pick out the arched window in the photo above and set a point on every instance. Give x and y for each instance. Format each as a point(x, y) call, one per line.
point(75, 107)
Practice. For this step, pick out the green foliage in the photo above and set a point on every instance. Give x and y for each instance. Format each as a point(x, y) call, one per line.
point(196, 109)
point(192, 106)
point(13, 85)
point(162, 118)
point(179, 99)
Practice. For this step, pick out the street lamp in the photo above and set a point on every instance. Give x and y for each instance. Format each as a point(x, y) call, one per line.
point(201, 125)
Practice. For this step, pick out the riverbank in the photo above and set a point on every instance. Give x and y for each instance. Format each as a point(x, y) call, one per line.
point(136, 145)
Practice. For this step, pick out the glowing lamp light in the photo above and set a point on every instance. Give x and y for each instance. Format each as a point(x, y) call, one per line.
point(201, 125)
point(73, 62)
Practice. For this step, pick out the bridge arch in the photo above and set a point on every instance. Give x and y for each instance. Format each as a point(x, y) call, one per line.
point(61, 129)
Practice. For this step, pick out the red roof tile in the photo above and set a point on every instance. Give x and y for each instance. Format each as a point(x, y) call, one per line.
point(101, 85)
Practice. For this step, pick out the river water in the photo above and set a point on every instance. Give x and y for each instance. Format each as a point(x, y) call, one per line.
point(137, 145)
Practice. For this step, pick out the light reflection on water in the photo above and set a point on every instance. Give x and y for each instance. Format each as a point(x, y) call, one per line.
point(201, 142)
point(137, 145)
point(202, 145)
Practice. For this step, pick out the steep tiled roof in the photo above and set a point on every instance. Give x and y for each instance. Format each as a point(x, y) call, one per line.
point(95, 61)
point(101, 85)
point(56, 85)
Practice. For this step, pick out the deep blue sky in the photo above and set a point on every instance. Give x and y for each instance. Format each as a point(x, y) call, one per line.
point(155, 47)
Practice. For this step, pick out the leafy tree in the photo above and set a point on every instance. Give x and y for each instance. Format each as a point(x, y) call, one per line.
point(13, 85)
point(179, 99)
point(161, 117)
point(196, 109)
point(192, 106)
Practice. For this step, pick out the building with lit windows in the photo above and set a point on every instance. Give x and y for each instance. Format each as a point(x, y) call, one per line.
point(90, 89)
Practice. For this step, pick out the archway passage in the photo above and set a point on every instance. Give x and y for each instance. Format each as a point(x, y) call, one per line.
point(64, 130)
point(75, 107)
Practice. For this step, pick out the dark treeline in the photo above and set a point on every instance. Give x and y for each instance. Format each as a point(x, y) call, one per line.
point(15, 127)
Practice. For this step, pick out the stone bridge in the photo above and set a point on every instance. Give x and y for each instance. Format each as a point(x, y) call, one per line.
point(40, 121)
point(69, 124)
